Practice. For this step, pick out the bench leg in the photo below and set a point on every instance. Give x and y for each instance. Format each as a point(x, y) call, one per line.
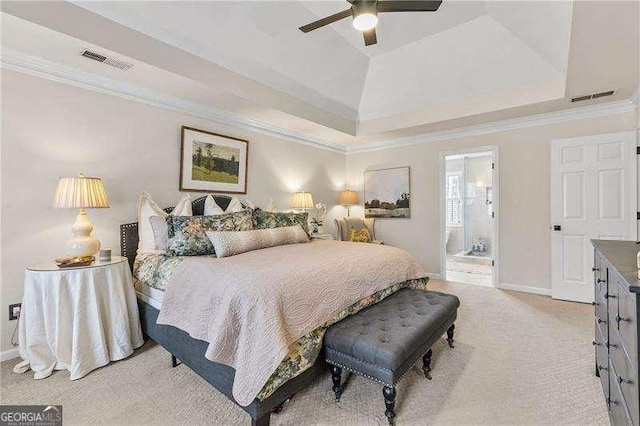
point(450, 335)
point(262, 421)
point(426, 364)
point(336, 378)
point(174, 361)
point(389, 393)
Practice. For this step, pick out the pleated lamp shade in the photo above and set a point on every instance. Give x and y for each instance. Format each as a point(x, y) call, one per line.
point(348, 197)
point(80, 192)
point(302, 200)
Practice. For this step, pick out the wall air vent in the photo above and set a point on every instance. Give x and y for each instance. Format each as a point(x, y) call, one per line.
point(593, 96)
point(116, 63)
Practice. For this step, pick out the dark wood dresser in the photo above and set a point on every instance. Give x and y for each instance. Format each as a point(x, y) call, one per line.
point(617, 289)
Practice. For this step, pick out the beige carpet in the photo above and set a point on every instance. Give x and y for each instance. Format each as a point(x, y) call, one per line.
point(519, 359)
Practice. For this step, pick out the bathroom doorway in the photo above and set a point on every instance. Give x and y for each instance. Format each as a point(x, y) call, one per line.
point(469, 200)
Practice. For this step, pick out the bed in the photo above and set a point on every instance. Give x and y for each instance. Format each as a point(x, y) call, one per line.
point(191, 351)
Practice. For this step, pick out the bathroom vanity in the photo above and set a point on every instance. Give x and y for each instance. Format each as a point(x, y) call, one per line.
point(617, 289)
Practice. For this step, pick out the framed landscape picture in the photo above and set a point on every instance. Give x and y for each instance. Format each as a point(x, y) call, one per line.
point(386, 193)
point(213, 163)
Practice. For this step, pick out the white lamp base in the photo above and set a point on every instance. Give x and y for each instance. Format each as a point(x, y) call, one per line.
point(82, 244)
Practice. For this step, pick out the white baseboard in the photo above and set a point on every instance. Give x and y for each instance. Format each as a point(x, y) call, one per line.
point(525, 289)
point(10, 354)
point(435, 276)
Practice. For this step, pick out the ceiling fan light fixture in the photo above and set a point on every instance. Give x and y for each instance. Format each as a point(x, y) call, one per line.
point(365, 21)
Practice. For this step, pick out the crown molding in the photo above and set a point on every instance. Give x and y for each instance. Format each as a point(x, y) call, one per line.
point(16, 61)
point(20, 62)
point(593, 111)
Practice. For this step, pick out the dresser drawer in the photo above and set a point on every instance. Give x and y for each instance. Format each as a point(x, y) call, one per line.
point(626, 323)
point(612, 284)
point(602, 361)
point(618, 410)
point(623, 374)
point(601, 307)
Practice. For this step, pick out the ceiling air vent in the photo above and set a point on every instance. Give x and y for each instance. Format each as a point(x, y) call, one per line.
point(116, 63)
point(592, 96)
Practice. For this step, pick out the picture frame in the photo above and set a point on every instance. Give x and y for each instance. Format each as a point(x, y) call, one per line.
point(387, 193)
point(211, 162)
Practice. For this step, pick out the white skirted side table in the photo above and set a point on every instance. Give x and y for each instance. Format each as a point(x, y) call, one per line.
point(77, 319)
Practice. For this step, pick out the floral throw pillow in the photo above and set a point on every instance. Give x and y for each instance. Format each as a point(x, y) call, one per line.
point(266, 220)
point(361, 236)
point(187, 234)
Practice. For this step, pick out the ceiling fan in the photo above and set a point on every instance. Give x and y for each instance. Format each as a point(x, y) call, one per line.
point(365, 14)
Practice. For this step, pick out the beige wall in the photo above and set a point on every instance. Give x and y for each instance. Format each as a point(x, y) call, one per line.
point(50, 130)
point(525, 242)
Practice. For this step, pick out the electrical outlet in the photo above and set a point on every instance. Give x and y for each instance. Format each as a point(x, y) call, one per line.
point(14, 311)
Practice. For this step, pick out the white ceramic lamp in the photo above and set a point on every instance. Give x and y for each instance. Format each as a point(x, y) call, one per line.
point(81, 192)
point(348, 198)
point(302, 200)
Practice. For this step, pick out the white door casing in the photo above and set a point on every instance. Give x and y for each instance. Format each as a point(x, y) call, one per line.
point(593, 196)
point(495, 150)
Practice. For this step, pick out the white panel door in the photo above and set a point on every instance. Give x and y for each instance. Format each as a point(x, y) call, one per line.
point(593, 196)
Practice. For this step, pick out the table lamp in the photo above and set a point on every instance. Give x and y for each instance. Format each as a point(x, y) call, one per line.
point(348, 198)
point(81, 192)
point(302, 200)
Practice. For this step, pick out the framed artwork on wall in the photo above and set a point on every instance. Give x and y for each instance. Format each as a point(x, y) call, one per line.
point(210, 162)
point(386, 193)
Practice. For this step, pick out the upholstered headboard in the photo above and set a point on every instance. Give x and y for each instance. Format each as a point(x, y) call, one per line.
point(129, 231)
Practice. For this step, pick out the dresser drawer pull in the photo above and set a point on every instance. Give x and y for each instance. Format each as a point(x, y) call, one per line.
point(609, 296)
point(594, 304)
point(594, 343)
point(619, 318)
point(594, 269)
point(601, 321)
point(600, 368)
point(621, 380)
point(610, 345)
point(600, 280)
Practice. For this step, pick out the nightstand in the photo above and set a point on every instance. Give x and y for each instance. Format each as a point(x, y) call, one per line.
point(321, 237)
point(77, 319)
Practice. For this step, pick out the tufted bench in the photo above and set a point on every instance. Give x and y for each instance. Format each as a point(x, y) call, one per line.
point(383, 341)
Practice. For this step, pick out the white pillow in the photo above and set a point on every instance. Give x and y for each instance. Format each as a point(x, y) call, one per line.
point(235, 206)
point(211, 208)
point(271, 207)
point(147, 208)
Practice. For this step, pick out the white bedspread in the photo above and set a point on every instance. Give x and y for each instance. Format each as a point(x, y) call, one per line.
point(252, 306)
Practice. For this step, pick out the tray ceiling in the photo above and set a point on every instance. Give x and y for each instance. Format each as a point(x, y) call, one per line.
point(465, 60)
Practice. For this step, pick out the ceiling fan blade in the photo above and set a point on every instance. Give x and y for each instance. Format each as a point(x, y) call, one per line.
point(326, 21)
point(408, 6)
point(370, 37)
